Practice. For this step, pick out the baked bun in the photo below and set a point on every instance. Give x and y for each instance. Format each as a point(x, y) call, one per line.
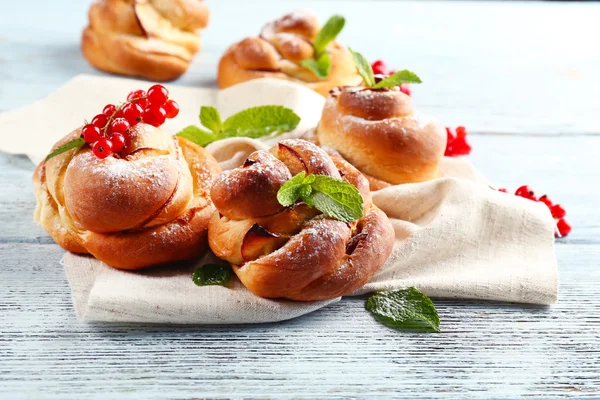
point(378, 131)
point(152, 39)
point(294, 252)
point(150, 207)
point(278, 51)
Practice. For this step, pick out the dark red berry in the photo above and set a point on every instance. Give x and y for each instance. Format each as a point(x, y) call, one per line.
point(405, 88)
point(544, 199)
point(558, 211)
point(155, 115)
point(100, 120)
point(157, 95)
point(503, 190)
point(563, 227)
point(91, 133)
point(119, 125)
point(118, 142)
point(102, 148)
point(109, 110)
point(379, 68)
point(133, 113)
point(525, 192)
point(171, 108)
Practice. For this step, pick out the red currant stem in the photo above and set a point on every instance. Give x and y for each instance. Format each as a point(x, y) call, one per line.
point(117, 109)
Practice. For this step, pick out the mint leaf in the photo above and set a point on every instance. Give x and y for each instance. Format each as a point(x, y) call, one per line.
point(404, 309)
point(289, 192)
point(260, 121)
point(328, 33)
point(197, 135)
point(73, 144)
point(212, 274)
point(336, 199)
point(320, 66)
point(333, 197)
point(211, 119)
point(364, 68)
point(398, 79)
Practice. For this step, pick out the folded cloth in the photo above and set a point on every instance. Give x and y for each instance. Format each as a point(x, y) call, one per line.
point(455, 237)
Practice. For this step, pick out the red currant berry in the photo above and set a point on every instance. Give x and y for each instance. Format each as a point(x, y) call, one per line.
point(91, 133)
point(133, 113)
point(379, 68)
point(119, 125)
point(172, 108)
point(136, 95)
point(525, 192)
point(100, 121)
point(563, 227)
point(461, 132)
point(154, 115)
point(157, 95)
point(109, 110)
point(405, 88)
point(544, 199)
point(102, 148)
point(558, 211)
point(118, 142)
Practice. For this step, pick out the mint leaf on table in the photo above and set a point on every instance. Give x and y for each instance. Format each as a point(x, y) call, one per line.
point(211, 119)
point(254, 122)
point(333, 197)
point(320, 65)
point(212, 274)
point(73, 144)
point(398, 79)
point(404, 309)
point(328, 33)
point(364, 68)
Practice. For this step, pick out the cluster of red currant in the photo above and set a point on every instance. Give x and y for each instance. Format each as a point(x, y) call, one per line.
point(380, 68)
point(558, 212)
point(457, 144)
point(108, 132)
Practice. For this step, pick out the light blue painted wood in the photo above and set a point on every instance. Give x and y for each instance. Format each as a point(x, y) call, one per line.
point(516, 68)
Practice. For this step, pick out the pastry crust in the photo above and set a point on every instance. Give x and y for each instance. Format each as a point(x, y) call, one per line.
point(152, 39)
point(295, 252)
point(378, 131)
point(278, 51)
point(148, 208)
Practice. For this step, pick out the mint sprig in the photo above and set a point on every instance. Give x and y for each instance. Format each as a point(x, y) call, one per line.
point(73, 144)
point(366, 72)
point(404, 309)
point(333, 197)
point(255, 122)
point(212, 274)
point(320, 64)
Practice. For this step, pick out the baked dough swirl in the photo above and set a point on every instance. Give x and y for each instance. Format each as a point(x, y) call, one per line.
point(294, 252)
point(277, 53)
point(152, 39)
point(150, 207)
point(379, 132)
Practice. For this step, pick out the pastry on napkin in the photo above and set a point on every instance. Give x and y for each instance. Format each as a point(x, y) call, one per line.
point(454, 237)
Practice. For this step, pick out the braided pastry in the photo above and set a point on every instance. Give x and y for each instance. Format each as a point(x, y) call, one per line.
point(378, 131)
point(294, 252)
point(277, 53)
point(153, 39)
point(150, 207)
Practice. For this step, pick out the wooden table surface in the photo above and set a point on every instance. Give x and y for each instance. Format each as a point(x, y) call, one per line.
point(524, 77)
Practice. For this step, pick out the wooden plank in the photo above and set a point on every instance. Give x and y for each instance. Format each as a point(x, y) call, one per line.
point(496, 67)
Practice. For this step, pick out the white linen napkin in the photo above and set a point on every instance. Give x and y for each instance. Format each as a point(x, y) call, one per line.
point(455, 237)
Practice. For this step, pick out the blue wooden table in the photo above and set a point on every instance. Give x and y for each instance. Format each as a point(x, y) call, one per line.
point(524, 77)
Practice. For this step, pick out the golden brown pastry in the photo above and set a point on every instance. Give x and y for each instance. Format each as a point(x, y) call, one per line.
point(378, 131)
point(294, 252)
point(152, 39)
point(151, 206)
point(277, 53)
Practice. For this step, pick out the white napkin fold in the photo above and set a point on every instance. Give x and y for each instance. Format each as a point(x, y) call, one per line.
point(455, 237)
